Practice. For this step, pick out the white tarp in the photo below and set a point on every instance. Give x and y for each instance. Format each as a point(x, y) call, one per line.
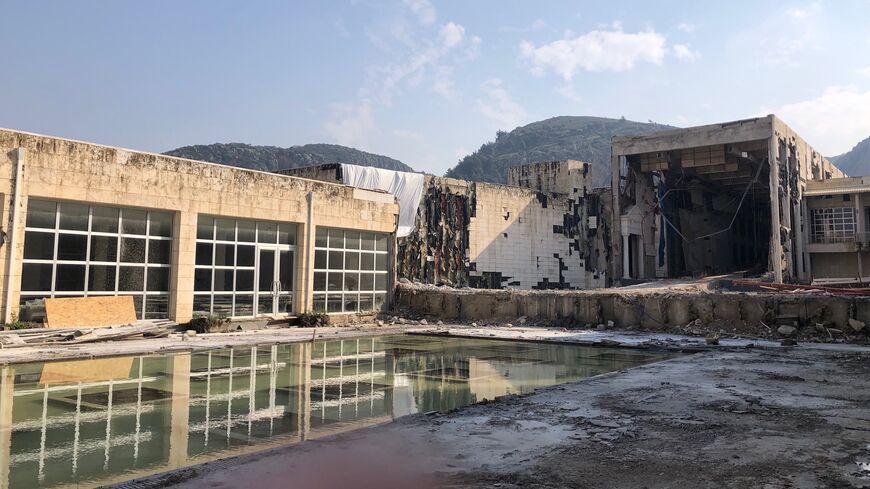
point(406, 187)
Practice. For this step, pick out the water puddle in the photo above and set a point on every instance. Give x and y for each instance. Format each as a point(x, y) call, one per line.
point(85, 423)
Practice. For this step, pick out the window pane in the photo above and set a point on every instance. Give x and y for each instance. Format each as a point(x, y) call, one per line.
point(132, 250)
point(380, 281)
point(224, 255)
point(287, 234)
point(334, 280)
point(131, 279)
point(379, 301)
point(335, 260)
point(381, 262)
point(351, 281)
point(36, 277)
point(320, 303)
point(205, 227)
point(225, 229)
point(368, 241)
point(38, 246)
point(72, 247)
point(336, 238)
point(201, 304)
point(366, 302)
point(202, 279)
point(160, 224)
point(367, 261)
point(74, 216)
point(41, 214)
point(245, 280)
point(381, 242)
point(159, 251)
point(366, 281)
point(351, 302)
point(351, 260)
point(101, 278)
point(267, 232)
point(158, 279)
point(333, 303)
point(320, 259)
point(244, 305)
point(223, 305)
point(247, 231)
point(245, 256)
point(104, 248)
point(223, 280)
point(320, 281)
point(133, 222)
point(352, 240)
point(203, 253)
point(319, 238)
point(104, 219)
point(70, 278)
point(156, 307)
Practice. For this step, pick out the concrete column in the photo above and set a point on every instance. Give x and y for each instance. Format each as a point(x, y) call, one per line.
point(183, 261)
point(179, 413)
point(7, 386)
point(300, 268)
point(15, 238)
point(626, 257)
point(807, 221)
point(799, 226)
point(616, 265)
point(775, 244)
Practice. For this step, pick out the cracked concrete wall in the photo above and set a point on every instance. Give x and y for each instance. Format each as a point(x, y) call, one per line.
point(61, 169)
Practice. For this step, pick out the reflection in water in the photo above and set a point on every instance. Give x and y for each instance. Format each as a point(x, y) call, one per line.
point(92, 422)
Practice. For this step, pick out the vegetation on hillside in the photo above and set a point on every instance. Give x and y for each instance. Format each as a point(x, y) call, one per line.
point(567, 137)
point(272, 158)
point(856, 162)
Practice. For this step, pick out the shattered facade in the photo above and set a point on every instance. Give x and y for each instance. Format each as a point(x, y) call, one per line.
point(545, 231)
point(712, 200)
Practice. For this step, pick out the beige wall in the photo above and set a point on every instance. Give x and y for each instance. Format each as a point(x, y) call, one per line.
point(61, 169)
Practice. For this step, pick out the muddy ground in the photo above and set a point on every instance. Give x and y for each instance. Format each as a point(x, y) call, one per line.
point(738, 418)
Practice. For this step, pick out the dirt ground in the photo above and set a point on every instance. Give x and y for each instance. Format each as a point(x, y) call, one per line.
point(736, 418)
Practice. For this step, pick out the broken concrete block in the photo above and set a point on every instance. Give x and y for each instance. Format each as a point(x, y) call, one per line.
point(508, 325)
point(712, 338)
point(601, 327)
point(522, 320)
point(858, 326)
point(610, 324)
point(379, 323)
point(786, 330)
point(402, 321)
point(473, 325)
point(440, 323)
point(424, 322)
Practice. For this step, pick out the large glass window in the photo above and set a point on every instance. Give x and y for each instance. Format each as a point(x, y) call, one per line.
point(75, 249)
point(243, 268)
point(833, 225)
point(350, 270)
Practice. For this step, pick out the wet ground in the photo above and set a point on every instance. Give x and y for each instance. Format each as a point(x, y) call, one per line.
point(741, 418)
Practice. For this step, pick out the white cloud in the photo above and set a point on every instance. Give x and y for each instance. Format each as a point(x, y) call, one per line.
point(499, 106)
point(789, 39)
point(684, 53)
point(687, 27)
point(595, 51)
point(567, 91)
point(832, 122)
point(451, 34)
point(354, 125)
point(864, 71)
point(538, 24)
point(423, 10)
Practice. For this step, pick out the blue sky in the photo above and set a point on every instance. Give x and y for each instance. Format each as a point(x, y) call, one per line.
point(425, 82)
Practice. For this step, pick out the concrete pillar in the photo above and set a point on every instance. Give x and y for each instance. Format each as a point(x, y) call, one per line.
point(775, 244)
point(15, 238)
point(7, 386)
point(799, 225)
point(179, 413)
point(183, 261)
point(616, 265)
point(300, 268)
point(807, 221)
point(626, 257)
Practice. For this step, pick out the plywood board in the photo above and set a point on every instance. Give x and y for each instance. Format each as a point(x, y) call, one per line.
point(89, 312)
point(96, 370)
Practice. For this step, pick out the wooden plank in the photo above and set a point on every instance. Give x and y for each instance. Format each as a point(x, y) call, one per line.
point(95, 370)
point(93, 312)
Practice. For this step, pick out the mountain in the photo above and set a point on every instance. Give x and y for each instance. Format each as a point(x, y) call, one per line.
point(271, 158)
point(559, 138)
point(856, 162)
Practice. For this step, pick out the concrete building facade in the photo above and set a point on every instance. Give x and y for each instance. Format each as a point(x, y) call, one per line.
point(837, 232)
point(713, 199)
point(186, 237)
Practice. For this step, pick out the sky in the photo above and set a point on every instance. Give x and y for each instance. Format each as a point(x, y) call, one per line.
point(422, 81)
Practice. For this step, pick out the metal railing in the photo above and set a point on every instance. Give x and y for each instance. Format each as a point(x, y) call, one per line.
point(858, 238)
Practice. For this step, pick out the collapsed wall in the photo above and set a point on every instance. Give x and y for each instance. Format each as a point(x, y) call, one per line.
point(548, 230)
point(824, 316)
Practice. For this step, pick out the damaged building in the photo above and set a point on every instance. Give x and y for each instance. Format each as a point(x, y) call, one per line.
point(714, 199)
point(546, 229)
